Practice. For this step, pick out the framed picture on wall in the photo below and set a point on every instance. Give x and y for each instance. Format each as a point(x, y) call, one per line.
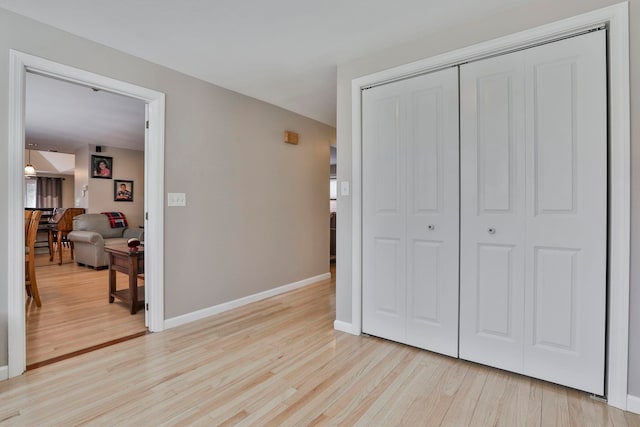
point(101, 167)
point(122, 190)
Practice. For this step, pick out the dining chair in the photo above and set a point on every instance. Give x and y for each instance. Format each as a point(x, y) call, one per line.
point(27, 220)
point(27, 223)
point(60, 224)
point(31, 283)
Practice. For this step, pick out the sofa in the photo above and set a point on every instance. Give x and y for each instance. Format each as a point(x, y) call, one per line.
point(91, 232)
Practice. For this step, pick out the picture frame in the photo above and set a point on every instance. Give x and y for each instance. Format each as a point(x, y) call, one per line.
point(122, 190)
point(101, 167)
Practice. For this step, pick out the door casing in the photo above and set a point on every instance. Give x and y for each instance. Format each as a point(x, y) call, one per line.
point(20, 63)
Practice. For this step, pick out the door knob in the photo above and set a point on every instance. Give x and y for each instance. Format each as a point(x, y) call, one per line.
point(491, 230)
point(431, 227)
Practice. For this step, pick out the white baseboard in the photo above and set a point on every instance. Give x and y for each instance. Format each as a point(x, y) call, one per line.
point(4, 373)
point(633, 404)
point(220, 308)
point(339, 325)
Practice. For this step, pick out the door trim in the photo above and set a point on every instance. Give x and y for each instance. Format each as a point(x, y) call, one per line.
point(20, 63)
point(616, 18)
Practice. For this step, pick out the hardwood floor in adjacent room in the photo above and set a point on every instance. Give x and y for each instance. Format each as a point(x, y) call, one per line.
point(279, 362)
point(75, 313)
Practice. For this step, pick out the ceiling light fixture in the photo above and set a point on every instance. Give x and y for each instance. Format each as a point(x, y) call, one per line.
point(29, 170)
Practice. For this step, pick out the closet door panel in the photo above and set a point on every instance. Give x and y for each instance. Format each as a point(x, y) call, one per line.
point(492, 211)
point(567, 212)
point(537, 192)
point(495, 143)
point(554, 142)
point(383, 198)
point(494, 284)
point(411, 211)
point(433, 212)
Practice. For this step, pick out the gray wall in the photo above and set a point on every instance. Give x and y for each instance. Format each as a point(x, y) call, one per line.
point(257, 208)
point(534, 13)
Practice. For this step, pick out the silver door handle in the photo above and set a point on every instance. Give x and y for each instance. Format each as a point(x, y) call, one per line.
point(431, 227)
point(491, 230)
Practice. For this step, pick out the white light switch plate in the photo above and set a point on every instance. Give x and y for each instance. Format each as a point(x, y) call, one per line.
point(176, 199)
point(344, 188)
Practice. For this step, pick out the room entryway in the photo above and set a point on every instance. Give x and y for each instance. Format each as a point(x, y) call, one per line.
point(68, 127)
point(153, 213)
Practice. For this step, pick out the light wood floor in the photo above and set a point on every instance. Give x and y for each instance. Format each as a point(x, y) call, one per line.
point(279, 362)
point(75, 312)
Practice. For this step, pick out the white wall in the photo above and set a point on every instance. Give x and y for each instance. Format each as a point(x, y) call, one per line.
point(256, 215)
point(81, 178)
point(68, 187)
point(532, 14)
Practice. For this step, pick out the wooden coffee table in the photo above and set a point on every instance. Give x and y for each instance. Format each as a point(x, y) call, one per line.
point(131, 264)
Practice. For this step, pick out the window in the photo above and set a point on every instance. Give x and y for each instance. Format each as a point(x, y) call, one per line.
point(30, 187)
point(333, 189)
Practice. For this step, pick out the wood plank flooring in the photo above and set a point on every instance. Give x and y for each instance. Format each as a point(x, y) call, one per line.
point(75, 313)
point(278, 362)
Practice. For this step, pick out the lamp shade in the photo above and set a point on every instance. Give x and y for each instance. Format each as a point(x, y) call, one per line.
point(29, 170)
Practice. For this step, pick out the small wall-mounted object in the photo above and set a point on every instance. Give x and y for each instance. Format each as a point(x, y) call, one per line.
point(290, 137)
point(344, 188)
point(176, 199)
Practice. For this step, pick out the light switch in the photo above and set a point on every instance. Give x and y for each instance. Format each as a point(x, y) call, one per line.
point(344, 188)
point(176, 199)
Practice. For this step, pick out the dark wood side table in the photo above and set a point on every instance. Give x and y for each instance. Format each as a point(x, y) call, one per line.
point(132, 264)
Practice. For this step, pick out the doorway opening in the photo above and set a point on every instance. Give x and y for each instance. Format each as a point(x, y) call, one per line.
point(66, 126)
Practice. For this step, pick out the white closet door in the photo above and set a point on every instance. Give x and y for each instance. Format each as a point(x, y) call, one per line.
point(566, 212)
point(432, 219)
point(384, 211)
point(533, 219)
point(492, 211)
point(410, 211)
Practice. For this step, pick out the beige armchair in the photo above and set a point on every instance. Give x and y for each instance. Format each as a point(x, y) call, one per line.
point(91, 232)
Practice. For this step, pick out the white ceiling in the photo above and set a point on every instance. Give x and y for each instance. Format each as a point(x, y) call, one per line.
point(284, 52)
point(62, 116)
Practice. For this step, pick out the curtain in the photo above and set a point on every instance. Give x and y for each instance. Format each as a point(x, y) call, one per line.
point(49, 192)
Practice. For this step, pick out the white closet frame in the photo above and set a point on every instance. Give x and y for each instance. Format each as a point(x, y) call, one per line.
point(616, 18)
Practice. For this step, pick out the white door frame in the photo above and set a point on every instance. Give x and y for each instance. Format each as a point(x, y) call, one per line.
point(20, 63)
point(616, 18)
